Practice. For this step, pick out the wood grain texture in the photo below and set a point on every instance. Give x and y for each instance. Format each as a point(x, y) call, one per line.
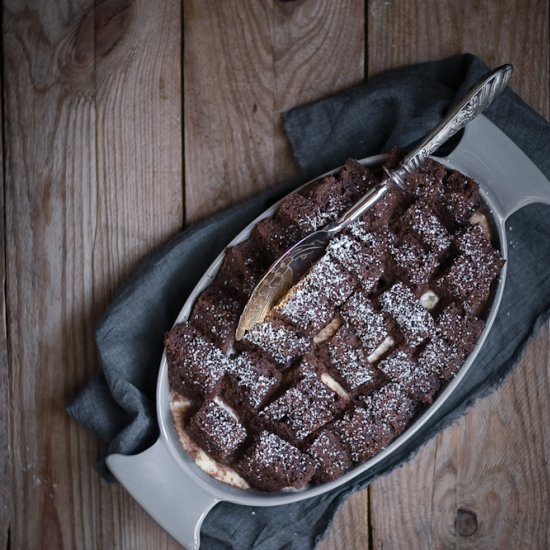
point(351, 528)
point(401, 32)
point(244, 63)
point(93, 181)
point(5, 459)
point(305, 35)
point(93, 149)
point(228, 100)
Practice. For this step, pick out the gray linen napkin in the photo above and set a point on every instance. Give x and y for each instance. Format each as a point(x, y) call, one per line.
point(397, 108)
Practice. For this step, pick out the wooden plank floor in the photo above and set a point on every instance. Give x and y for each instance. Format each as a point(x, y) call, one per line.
point(124, 120)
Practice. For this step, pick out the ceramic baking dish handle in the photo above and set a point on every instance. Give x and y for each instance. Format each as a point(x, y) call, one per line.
point(156, 481)
point(489, 155)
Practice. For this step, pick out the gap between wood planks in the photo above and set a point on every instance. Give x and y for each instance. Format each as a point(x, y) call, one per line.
point(182, 126)
point(370, 540)
point(5, 484)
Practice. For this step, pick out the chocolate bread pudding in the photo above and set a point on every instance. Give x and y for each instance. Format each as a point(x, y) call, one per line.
point(355, 351)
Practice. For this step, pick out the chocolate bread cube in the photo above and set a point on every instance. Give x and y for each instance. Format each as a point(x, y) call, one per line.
point(442, 358)
point(391, 404)
point(362, 434)
point(414, 321)
point(410, 262)
point(310, 366)
point(274, 238)
point(357, 259)
point(395, 156)
point(377, 241)
point(331, 280)
point(434, 169)
point(331, 457)
point(305, 308)
point(371, 326)
point(474, 244)
point(388, 207)
point(217, 430)
point(472, 240)
point(347, 361)
point(277, 340)
point(272, 464)
point(459, 328)
point(301, 410)
point(243, 266)
point(420, 220)
point(216, 314)
point(469, 279)
point(252, 379)
point(344, 337)
point(195, 365)
point(300, 213)
point(417, 379)
point(329, 194)
point(313, 367)
point(426, 182)
point(460, 199)
point(356, 179)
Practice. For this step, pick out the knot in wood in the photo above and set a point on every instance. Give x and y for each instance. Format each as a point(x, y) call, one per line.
point(101, 29)
point(465, 522)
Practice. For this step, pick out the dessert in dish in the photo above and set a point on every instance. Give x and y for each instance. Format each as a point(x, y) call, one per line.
point(358, 348)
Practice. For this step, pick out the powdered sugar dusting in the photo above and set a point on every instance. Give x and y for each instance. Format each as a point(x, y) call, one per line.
point(305, 308)
point(270, 449)
point(330, 456)
point(357, 259)
point(421, 220)
point(415, 322)
point(179, 407)
point(415, 379)
point(303, 408)
point(459, 328)
point(257, 383)
point(277, 340)
point(392, 404)
point(352, 367)
point(414, 264)
point(274, 463)
point(330, 280)
point(218, 429)
point(367, 323)
point(441, 358)
point(363, 434)
point(195, 364)
point(469, 278)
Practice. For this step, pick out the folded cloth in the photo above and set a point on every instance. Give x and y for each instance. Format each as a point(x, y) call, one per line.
point(397, 108)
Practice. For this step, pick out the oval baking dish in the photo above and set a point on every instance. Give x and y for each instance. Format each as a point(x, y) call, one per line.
point(172, 488)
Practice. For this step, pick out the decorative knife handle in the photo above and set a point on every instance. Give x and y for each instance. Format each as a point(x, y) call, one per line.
point(476, 100)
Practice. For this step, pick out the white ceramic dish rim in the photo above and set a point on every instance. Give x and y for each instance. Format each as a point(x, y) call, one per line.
point(484, 153)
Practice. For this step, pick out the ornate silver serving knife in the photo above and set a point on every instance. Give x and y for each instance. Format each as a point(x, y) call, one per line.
point(288, 269)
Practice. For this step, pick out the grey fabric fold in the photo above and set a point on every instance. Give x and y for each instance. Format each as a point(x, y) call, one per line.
point(397, 108)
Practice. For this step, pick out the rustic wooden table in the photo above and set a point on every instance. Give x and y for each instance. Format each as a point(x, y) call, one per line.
point(124, 121)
